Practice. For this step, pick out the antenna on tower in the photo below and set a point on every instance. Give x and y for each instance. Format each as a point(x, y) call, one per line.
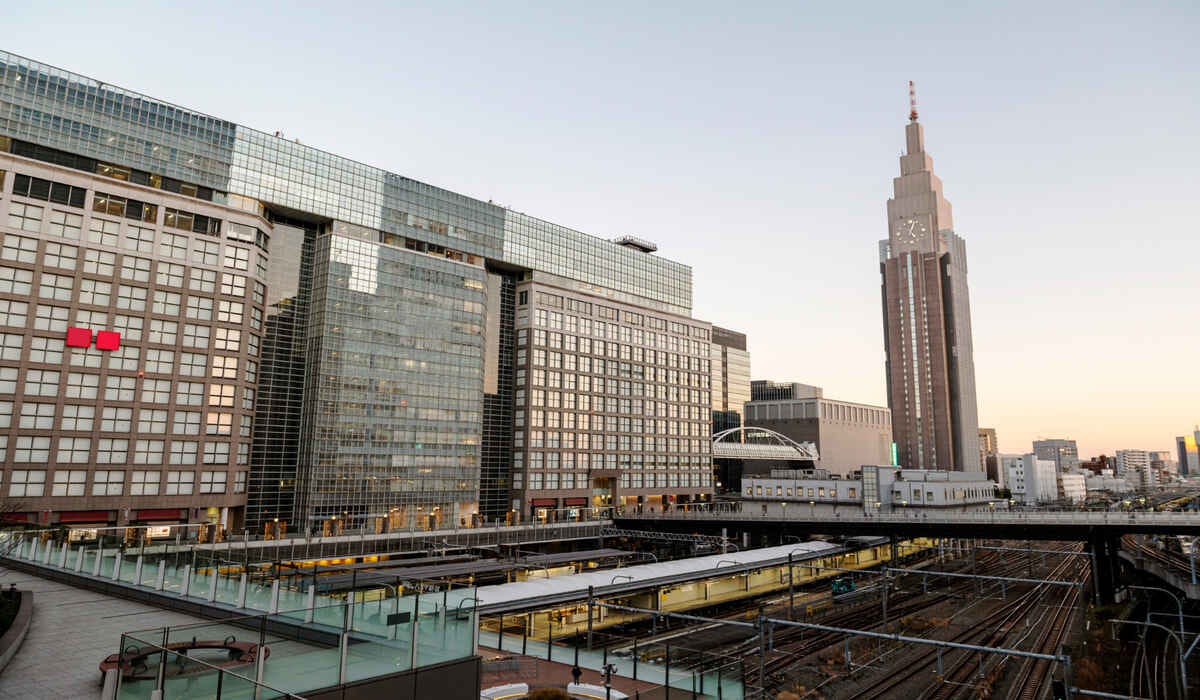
point(912, 102)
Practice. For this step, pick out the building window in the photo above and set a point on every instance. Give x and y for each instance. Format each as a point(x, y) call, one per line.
point(180, 483)
point(227, 339)
point(169, 274)
point(156, 390)
point(183, 452)
point(124, 359)
point(193, 364)
point(144, 483)
point(41, 382)
point(233, 285)
point(148, 452)
point(56, 287)
point(131, 298)
point(239, 482)
point(212, 482)
point(108, 483)
point(159, 361)
point(69, 483)
point(199, 308)
point(195, 337)
point(152, 421)
point(140, 240)
point(78, 417)
point(189, 393)
point(162, 332)
point(51, 318)
point(95, 292)
point(32, 449)
point(186, 423)
point(130, 327)
point(204, 280)
point(46, 350)
point(120, 388)
point(221, 395)
point(206, 252)
point(24, 217)
point(166, 303)
point(112, 451)
point(237, 258)
point(218, 424)
point(13, 313)
point(16, 281)
point(229, 311)
point(224, 367)
point(61, 256)
point(27, 483)
point(66, 225)
point(173, 246)
point(104, 232)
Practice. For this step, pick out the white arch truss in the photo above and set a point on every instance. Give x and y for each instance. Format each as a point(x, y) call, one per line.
point(775, 446)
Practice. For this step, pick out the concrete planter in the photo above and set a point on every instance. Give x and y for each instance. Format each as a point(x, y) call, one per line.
point(11, 641)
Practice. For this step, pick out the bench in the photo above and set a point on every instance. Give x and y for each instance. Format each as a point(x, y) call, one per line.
point(131, 662)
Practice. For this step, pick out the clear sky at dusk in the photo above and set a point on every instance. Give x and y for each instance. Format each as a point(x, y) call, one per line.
point(756, 142)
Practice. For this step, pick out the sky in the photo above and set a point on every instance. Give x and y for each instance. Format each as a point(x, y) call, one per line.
point(756, 142)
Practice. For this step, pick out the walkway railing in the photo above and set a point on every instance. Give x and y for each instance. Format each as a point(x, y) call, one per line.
point(737, 511)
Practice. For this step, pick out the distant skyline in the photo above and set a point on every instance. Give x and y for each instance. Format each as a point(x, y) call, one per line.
point(757, 145)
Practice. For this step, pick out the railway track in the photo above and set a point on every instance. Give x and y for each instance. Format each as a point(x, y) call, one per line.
point(960, 675)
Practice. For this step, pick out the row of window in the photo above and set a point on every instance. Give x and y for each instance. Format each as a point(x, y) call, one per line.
point(82, 385)
point(141, 239)
point(567, 420)
point(610, 313)
point(49, 191)
point(552, 439)
point(799, 492)
point(30, 483)
point(36, 449)
point(114, 419)
point(639, 460)
point(555, 321)
point(117, 172)
point(536, 481)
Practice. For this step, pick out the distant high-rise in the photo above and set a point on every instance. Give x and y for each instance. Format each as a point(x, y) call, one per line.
point(927, 320)
point(730, 378)
point(989, 451)
point(1188, 455)
point(1064, 453)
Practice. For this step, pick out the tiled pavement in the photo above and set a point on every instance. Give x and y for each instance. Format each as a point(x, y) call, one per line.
point(72, 631)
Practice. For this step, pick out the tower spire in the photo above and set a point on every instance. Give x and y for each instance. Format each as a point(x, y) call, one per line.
point(912, 102)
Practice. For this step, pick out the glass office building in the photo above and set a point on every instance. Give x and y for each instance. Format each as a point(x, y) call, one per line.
point(384, 391)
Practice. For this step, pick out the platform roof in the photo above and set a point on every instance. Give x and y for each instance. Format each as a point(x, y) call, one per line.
point(542, 591)
point(586, 555)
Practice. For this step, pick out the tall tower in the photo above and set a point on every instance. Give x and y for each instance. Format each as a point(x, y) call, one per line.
point(927, 319)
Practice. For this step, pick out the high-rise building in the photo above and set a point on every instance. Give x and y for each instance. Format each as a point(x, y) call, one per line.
point(308, 339)
point(989, 450)
point(730, 378)
point(927, 320)
point(1187, 454)
point(1064, 453)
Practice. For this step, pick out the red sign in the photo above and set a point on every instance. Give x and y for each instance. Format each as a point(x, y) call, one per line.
point(84, 516)
point(78, 337)
point(108, 340)
point(159, 514)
